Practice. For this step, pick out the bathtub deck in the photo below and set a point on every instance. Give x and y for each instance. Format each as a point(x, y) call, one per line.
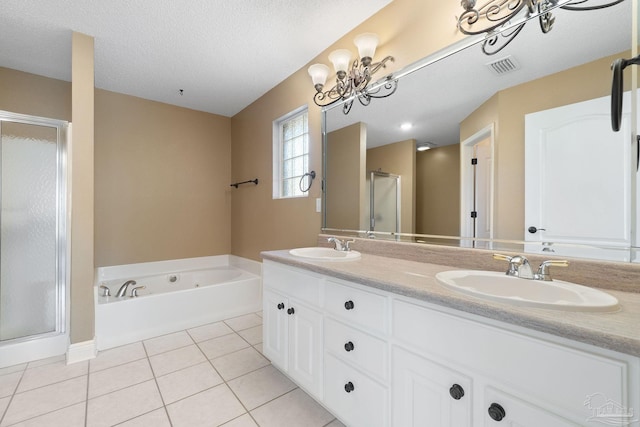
point(207, 375)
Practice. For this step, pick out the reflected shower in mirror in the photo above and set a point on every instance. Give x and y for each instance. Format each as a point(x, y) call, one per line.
point(501, 111)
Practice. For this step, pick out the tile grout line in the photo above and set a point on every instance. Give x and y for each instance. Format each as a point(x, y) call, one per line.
point(155, 379)
point(86, 400)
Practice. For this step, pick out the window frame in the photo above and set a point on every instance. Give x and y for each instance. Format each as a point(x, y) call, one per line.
point(278, 153)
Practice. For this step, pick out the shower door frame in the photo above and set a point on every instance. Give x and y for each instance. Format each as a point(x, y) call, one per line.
point(63, 129)
point(373, 174)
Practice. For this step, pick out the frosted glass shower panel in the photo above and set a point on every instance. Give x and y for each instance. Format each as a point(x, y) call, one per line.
point(28, 276)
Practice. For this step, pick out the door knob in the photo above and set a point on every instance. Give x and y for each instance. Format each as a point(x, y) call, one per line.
point(349, 305)
point(290, 310)
point(496, 412)
point(281, 306)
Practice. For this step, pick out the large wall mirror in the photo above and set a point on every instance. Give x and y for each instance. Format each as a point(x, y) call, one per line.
point(550, 176)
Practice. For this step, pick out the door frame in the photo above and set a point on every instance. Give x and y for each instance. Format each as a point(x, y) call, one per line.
point(466, 183)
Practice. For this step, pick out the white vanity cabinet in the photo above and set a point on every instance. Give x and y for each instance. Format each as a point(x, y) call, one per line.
point(509, 378)
point(292, 325)
point(356, 357)
point(375, 358)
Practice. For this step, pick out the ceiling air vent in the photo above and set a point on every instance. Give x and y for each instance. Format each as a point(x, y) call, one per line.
point(504, 65)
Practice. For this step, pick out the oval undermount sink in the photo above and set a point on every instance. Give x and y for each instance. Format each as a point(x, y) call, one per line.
point(557, 294)
point(325, 254)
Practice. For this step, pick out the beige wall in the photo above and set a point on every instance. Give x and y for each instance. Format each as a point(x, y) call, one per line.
point(346, 195)
point(398, 158)
point(162, 181)
point(26, 93)
point(438, 191)
point(408, 30)
point(507, 109)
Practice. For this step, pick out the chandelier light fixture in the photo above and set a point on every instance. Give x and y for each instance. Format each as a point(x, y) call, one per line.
point(352, 78)
point(494, 15)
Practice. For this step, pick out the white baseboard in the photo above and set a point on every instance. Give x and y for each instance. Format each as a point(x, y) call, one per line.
point(81, 351)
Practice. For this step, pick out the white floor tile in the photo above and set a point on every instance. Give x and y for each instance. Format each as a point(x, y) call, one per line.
point(207, 332)
point(51, 373)
point(174, 360)
point(8, 383)
point(42, 400)
point(244, 322)
point(220, 346)
point(165, 343)
point(123, 405)
point(243, 421)
point(119, 377)
point(71, 416)
point(258, 347)
point(58, 358)
point(261, 386)
point(209, 408)
point(117, 356)
point(259, 313)
point(252, 335)
point(186, 382)
point(243, 361)
point(4, 402)
point(293, 409)
point(157, 418)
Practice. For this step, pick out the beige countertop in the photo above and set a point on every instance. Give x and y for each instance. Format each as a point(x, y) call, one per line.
point(619, 331)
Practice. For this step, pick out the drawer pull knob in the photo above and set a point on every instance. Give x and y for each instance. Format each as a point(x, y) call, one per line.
point(496, 412)
point(348, 387)
point(281, 306)
point(349, 305)
point(349, 346)
point(290, 310)
point(456, 391)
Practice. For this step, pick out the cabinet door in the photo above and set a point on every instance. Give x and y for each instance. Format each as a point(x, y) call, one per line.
point(501, 408)
point(305, 346)
point(428, 394)
point(274, 330)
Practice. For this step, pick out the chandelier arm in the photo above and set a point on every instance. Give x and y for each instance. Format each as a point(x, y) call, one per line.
point(374, 68)
point(571, 6)
point(493, 40)
point(346, 107)
point(391, 85)
point(495, 12)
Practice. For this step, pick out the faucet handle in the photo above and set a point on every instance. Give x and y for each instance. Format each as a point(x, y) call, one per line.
point(347, 244)
point(106, 292)
point(134, 291)
point(543, 271)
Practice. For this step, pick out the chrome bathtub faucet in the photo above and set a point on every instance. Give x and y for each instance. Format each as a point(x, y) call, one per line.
point(134, 291)
point(123, 289)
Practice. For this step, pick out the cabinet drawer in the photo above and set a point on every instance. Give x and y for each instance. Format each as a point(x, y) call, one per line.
point(354, 305)
point(292, 282)
point(545, 371)
point(356, 347)
point(365, 404)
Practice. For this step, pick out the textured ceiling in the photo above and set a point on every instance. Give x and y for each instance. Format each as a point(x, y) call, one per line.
point(224, 53)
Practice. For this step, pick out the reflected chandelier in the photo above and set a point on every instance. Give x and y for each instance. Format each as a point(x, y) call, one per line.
point(354, 82)
point(494, 14)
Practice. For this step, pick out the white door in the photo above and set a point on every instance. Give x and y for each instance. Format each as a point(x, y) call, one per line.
point(305, 346)
point(428, 394)
point(482, 152)
point(275, 328)
point(577, 181)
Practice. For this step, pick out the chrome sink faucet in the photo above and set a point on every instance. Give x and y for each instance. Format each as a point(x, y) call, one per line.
point(519, 267)
point(340, 245)
point(123, 289)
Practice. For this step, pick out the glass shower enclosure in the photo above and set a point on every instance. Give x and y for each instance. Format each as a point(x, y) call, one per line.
point(33, 231)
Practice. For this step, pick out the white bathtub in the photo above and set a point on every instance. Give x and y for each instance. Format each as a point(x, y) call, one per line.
point(178, 294)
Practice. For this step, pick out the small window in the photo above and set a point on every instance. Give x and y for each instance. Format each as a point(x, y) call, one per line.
point(290, 153)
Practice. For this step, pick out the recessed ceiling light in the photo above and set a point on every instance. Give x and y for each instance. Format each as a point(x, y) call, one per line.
point(406, 126)
point(423, 147)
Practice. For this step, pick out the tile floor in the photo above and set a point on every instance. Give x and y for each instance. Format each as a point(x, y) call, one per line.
point(211, 375)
